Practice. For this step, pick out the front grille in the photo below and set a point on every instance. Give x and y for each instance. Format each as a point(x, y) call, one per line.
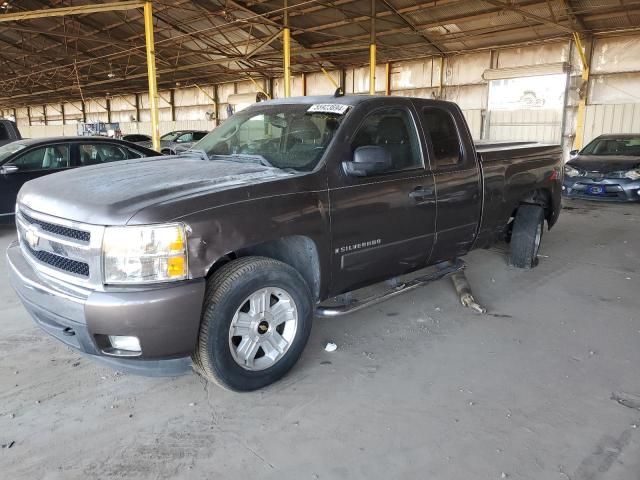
point(58, 229)
point(61, 263)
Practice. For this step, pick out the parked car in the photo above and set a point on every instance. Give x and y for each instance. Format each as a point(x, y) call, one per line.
point(608, 168)
point(222, 256)
point(25, 160)
point(138, 138)
point(178, 141)
point(8, 132)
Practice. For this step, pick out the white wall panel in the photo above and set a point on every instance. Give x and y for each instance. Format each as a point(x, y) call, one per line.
point(474, 120)
point(601, 119)
point(534, 55)
point(466, 69)
point(616, 54)
point(529, 125)
point(615, 88)
point(412, 75)
point(319, 84)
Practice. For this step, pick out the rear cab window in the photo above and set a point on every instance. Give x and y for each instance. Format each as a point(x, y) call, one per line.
point(442, 133)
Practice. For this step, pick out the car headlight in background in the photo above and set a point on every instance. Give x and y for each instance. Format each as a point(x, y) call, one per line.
point(569, 171)
point(633, 174)
point(145, 254)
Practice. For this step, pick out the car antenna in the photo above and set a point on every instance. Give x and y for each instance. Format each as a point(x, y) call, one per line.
point(339, 92)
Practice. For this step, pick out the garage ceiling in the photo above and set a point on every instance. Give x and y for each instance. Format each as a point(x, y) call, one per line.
point(202, 41)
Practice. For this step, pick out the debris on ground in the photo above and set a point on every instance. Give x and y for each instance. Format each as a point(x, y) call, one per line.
point(463, 289)
point(628, 400)
point(8, 445)
point(192, 404)
point(331, 347)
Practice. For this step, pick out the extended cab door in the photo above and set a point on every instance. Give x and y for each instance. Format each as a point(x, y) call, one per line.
point(382, 224)
point(457, 178)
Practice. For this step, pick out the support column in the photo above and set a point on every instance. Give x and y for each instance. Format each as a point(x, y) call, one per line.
point(154, 103)
point(108, 105)
point(29, 115)
point(64, 117)
point(172, 103)
point(582, 104)
point(387, 83)
point(372, 51)
point(286, 47)
point(44, 114)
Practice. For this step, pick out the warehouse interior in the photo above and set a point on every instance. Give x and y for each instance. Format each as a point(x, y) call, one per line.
point(544, 385)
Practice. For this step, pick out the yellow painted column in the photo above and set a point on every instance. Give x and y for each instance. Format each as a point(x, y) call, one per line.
point(154, 103)
point(286, 46)
point(372, 51)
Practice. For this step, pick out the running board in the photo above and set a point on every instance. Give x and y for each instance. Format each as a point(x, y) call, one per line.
point(448, 268)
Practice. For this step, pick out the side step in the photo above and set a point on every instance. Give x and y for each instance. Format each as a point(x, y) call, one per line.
point(444, 270)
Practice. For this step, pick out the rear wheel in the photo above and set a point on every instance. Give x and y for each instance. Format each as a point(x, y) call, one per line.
point(256, 322)
point(526, 236)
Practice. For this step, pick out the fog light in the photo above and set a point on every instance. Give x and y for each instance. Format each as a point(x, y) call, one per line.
point(563, 188)
point(129, 344)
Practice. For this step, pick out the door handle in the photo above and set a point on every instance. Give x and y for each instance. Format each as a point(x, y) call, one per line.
point(421, 192)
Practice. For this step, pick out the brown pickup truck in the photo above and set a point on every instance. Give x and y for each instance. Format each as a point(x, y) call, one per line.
point(219, 258)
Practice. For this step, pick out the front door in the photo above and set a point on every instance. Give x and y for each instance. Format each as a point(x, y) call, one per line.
point(382, 225)
point(32, 163)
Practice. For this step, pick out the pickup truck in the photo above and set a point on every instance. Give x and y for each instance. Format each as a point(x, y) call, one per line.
point(219, 258)
point(8, 132)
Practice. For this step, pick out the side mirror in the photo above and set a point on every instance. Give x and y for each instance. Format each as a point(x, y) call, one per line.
point(368, 160)
point(7, 169)
point(574, 153)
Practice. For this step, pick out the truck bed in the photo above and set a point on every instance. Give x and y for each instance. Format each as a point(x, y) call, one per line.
point(493, 150)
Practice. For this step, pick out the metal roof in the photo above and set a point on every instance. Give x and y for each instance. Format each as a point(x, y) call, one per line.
point(48, 60)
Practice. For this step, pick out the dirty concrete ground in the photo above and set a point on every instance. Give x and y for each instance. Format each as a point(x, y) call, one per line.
point(418, 388)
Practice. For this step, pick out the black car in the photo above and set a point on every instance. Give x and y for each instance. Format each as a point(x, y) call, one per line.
point(608, 168)
point(24, 160)
point(137, 138)
point(176, 142)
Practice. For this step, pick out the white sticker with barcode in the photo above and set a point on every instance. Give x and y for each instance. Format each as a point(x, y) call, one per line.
point(335, 108)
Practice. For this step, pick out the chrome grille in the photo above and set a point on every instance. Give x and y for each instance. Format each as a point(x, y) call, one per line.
point(59, 229)
point(67, 250)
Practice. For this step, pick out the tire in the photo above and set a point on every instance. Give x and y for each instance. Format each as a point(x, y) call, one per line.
point(526, 236)
point(228, 359)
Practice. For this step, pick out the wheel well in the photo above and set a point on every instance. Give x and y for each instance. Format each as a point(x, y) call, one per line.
point(539, 197)
point(298, 251)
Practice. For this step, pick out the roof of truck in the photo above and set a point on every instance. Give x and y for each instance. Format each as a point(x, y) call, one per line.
point(342, 100)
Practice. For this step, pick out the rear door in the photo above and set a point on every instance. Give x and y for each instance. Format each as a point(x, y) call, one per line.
point(382, 225)
point(31, 163)
point(457, 179)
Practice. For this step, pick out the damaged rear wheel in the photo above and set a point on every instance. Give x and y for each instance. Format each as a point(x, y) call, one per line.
point(526, 236)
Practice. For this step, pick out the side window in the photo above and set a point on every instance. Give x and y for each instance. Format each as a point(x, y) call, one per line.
point(133, 154)
point(198, 136)
point(393, 129)
point(185, 137)
point(441, 129)
point(96, 153)
point(44, 158)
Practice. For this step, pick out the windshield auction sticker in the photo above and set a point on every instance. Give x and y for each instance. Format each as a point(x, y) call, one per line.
point(334, 108)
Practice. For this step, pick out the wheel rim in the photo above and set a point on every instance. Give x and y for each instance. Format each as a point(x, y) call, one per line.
point(538, 240)
point(263, 328)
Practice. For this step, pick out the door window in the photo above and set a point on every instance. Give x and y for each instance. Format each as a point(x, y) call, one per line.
point(44, 158)
point(441, 129)
point(96, 153)
point(198, 136)
point(394, 130)
point(185, 137)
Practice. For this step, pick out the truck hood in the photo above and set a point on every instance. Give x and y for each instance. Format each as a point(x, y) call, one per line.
point(604, 163)
point(112, 193)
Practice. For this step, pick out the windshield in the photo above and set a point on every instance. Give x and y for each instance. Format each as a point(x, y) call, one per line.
point(282, 136)
point(171, 136)
point(629, 146)
point(9, 149)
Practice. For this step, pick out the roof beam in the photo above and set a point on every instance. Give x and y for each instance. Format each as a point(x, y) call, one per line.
point(529, 15)
point(77, 10)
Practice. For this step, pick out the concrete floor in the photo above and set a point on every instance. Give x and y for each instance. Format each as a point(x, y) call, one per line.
point(418, 388)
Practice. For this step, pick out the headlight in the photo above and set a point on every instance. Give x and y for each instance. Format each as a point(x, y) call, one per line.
point(633, 174)
point(145, 254)
point(569, 171)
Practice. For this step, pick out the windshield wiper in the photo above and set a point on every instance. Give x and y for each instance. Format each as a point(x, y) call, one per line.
point(246, 158)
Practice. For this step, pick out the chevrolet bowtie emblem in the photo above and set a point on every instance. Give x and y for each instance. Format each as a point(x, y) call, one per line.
point(31, 237)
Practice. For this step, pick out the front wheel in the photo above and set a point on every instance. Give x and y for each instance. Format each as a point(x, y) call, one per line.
point(256, 322)
point(526, 236)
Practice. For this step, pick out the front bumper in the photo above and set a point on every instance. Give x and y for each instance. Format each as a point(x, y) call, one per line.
point(606, 189)
point(166, 319)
